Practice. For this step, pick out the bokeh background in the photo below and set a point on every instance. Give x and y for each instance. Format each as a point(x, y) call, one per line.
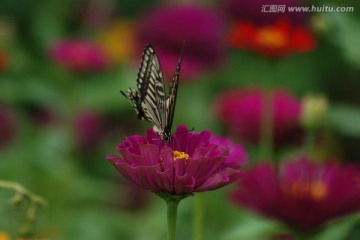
point(63, 64)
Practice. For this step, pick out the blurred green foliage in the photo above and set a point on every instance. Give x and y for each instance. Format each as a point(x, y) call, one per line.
point(85, 198)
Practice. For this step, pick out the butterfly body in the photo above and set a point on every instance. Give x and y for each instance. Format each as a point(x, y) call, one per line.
point(150, 101)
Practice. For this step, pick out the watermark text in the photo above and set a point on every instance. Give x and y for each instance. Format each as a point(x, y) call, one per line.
point(310, 9)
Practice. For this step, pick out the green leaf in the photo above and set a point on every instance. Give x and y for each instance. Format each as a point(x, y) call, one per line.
point(346, 119)
point(345, 33)
point(339, 229)
point(253, 227)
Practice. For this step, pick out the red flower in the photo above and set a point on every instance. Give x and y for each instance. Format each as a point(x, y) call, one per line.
point(241, 111)
point(302, 194)
point(271, 41)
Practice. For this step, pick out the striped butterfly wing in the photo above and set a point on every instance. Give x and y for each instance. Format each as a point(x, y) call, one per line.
point(143, 99)
point(135, 99)
point(152, 89)
point(171, 99)
point(149, 71)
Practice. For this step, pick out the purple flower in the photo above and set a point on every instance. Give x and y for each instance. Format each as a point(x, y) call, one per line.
point(302, 194)
point(79, 55)
point(241, 111)
point(258, 12)
point(167, 27)
point(88, 128)
point(7, 125)
point(236, 151)
point(190, 162)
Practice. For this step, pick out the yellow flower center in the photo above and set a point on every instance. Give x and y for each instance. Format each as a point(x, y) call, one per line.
point(316, 190)
point(271, 37)
point(179, 155)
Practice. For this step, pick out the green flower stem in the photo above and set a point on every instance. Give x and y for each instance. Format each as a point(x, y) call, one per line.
point(198, 216)
point(172, 205)
point(172, 201)
point(267, 124)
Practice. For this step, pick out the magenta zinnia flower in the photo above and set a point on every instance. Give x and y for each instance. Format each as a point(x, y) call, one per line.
point(302, 194)
point(79, 55)
point(190, 162)
point(241, 111)
point(167, 27)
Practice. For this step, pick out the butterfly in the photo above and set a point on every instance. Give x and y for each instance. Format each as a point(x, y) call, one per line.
point(150, 101)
